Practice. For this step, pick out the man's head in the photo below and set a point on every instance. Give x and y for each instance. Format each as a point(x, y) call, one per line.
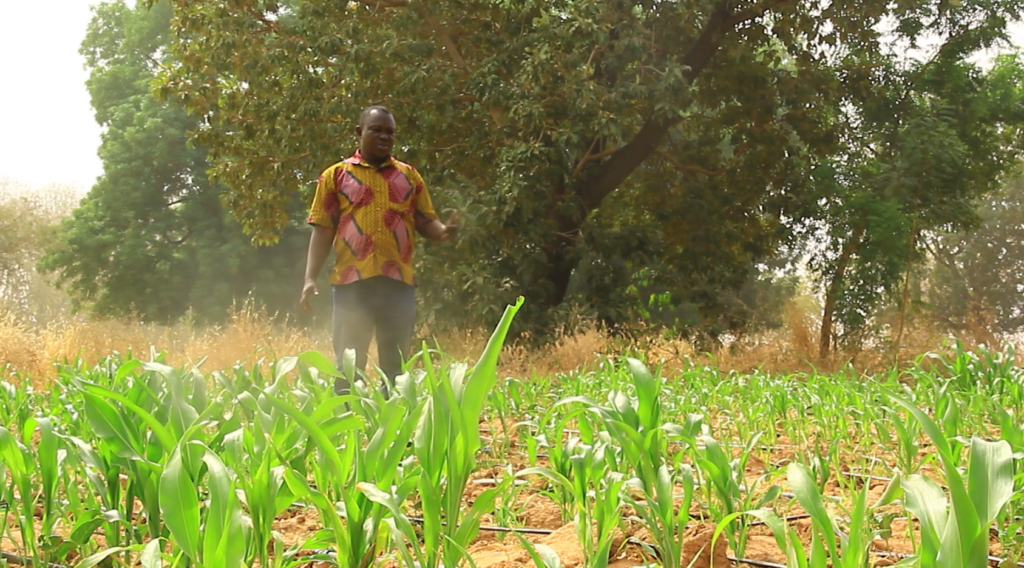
point(376, 132)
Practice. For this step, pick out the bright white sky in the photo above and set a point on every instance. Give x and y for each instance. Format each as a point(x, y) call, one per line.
point(47, 131)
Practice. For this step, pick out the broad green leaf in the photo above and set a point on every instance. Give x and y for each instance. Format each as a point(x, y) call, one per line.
point(179, 505)
point(96, 559)
point(484, 374)
point(543, 556)
point(283, 366)
point(166, 439)
point(806, 491)
point(893, 490)
point(109, 426)
point(927, 424)
point(223, 536)
point(953, 550)
point(990, 478)
point(926, 500)
point(85, 527)
point(126, 369)
point(47, 456)
point(318, 436)
point(648, 391)
point(151, 554)
point(317, 360)
point(548, 473)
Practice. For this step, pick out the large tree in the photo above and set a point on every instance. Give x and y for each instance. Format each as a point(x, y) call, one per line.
point(556, 126)
point(151, 237)
point(923, 145)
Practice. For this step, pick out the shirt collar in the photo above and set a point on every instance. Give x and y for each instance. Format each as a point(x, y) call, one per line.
point(357, 159)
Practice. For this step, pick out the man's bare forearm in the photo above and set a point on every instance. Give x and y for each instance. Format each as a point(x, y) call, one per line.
point(433, 230)
point(319, 247)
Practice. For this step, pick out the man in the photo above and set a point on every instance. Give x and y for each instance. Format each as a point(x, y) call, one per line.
point(368, 207)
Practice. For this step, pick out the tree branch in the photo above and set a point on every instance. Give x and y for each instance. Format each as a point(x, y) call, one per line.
point(689, 169)
point(623, 162)
point(177, 201)
point(755, 12)
point(446, 40)
point(591, 158)
point(385, 3)
point(182, 239)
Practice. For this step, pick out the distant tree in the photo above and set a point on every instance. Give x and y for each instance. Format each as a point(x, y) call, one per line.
point(151, 237)
point(922, 146)
point(979, 273)
point(29, 219)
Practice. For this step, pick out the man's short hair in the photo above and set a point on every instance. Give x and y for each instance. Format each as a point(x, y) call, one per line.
point(371, 109)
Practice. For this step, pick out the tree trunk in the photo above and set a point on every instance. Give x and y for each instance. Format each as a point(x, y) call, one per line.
point(904, 302)
point(603, 176)
point(835, 288)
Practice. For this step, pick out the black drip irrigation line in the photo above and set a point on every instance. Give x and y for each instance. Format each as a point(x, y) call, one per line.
point(723, 444)
point(865, 476)
point(784, 519)
point(760, 563)
point(496, 529)
point(26, 561)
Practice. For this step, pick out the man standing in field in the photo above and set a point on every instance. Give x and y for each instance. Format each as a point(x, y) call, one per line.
point(367, 207)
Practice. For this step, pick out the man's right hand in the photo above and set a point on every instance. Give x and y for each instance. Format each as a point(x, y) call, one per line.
point(319, 247)
point(308, 291)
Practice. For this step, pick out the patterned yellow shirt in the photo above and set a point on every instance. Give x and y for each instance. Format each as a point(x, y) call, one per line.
point(374, 213)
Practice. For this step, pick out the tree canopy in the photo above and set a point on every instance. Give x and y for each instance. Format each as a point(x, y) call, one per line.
point(22, 291)
point(151, 237)
point(587, 142)
point(977, 276)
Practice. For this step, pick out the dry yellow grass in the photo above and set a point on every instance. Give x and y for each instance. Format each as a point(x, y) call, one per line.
point(250, 336)
point(247, 337)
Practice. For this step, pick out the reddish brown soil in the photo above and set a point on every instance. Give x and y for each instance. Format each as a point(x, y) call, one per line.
point(531, 508)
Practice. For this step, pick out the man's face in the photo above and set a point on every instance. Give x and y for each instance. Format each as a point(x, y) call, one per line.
point(376, 136)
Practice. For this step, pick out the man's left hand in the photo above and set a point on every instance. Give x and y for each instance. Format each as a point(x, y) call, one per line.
point(451, 227)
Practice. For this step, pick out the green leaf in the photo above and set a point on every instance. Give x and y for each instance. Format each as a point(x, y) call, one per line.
point(317, 360)
point(806, 491)
point(893, 490)
point(648, 390)
point(484, 374)
point(223, 538)
point(928, 503)
point(321, 440)
point(548, 473)
point(109, 426)
point(990, 478)
point(543, 556)
point(166, 439)
point(96, 559)
point(179, 505)
point(151, 554)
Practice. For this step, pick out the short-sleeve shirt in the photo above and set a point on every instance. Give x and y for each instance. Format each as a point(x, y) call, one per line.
point(374, 213)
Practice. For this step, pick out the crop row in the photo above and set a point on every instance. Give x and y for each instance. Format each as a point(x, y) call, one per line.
point(140, 463)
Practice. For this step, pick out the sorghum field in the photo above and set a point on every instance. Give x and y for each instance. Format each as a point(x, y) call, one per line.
point(133, 462)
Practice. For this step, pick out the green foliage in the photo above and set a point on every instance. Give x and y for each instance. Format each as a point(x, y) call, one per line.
point(151, 238)
point(921, 146)
point(978, 274)
point(176, 468)
point(585, 142)
point(29, 218)
point(955, 533)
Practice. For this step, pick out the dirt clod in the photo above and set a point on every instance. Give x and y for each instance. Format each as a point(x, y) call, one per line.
point(697, 550)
